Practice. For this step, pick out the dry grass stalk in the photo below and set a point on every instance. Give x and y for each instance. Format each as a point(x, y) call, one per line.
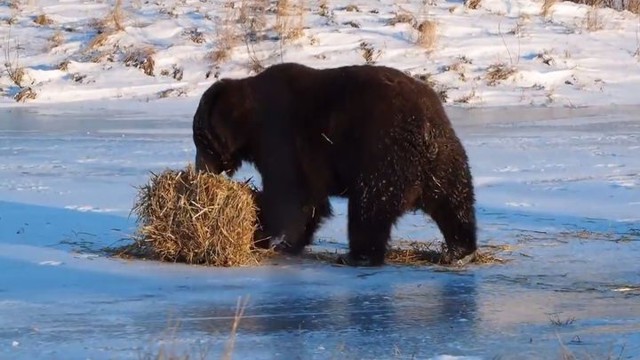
point(15, 71)
point(593, 20)
point(197, 218)
point(472, 4)
point(99, 40)
point(498, 72)
point(226, 35)
point(116, 16)
point(252, 19)
point(64, 65)
point(289, 19)
point(141, 58)
point(402, 18)
point(323, 8)
point(620, 5)
point(465, 99)
point(369, 53)
point(16, 74)
point(42, 20)
point(229, 346)
point(25, 94)
point(545, 10)
point(56, 39)
point(352, 8)
point(427, 34)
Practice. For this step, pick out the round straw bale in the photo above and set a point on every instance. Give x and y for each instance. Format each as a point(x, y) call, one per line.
point(196, 218)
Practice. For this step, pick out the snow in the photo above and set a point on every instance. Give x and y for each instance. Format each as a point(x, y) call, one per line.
point(553, 149)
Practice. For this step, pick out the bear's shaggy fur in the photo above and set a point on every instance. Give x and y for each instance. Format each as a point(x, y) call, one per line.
point(368, 133)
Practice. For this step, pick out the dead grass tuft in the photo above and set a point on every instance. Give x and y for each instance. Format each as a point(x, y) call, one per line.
point(427, 34)
point(620, 5)
point(547, 5)
point(196, 218)
point(42, 20)
point(99, 40)
point(56, 39)
point(226, 37)
point(633, 6)
point(593, 20)
point(64, 65)
point(25, 94)
point(116, 16)
point(16, 74)
point(402, 18)
point(195, 35)
point(141, 58)
point(555, 320)
point(472, 4)
point(498, 72)
point(352, 8)
point(466, 98)
point(323, 8)
point(12, 66)
point(369, 53)
point(289, 19)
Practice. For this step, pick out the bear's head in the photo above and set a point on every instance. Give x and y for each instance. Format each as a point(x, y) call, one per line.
point(220, 127)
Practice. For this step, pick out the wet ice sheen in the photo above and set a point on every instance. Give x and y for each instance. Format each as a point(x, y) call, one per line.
point(574, 251)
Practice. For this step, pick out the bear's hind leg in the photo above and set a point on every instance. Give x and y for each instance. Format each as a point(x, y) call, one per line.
point(370, 220)
point(455, 217)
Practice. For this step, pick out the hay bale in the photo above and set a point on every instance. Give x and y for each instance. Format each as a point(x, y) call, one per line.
point(196, 218)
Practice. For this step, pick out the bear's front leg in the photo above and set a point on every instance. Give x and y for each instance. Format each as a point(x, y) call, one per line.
point(284, 222)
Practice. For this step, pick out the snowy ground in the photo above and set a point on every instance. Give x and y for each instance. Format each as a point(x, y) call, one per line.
point(559, 186)
point(74, 50)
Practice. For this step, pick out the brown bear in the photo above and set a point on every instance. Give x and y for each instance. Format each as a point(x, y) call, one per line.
point(371, 134)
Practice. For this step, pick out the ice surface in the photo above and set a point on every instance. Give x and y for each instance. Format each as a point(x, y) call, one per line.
point(558, 186)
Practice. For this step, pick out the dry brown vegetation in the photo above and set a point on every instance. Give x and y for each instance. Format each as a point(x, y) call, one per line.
point(115, 18)
point(465, 99)
point(141, 58)
point(593, 20)
point(498, 72)
point(196, 218)
point(14, 70)
point(352, 8)
point(25, 94)
point(290, 19)
point(226, 37)
point(402, 17)
point(56, 39)
point(472, 4)
point(43, 20)
point(369, 53)
point(545, 10)
point(427, 34)
point(620, 5)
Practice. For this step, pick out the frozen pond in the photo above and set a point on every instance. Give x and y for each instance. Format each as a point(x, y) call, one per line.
point(560, 188)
